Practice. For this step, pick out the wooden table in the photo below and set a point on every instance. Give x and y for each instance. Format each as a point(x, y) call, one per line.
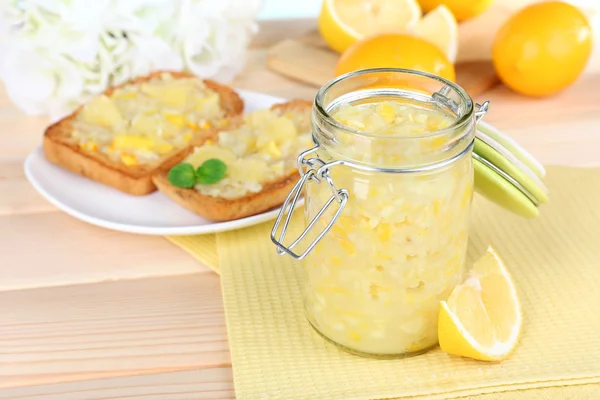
point(119, 315)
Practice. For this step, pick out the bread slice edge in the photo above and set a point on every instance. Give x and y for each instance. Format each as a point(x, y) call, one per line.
point(220, 209)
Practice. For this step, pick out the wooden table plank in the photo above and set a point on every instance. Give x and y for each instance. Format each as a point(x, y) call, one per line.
point(17, 196)
point(19, 133)
point(81, 253)
point(215, 384)
point(206, 384)
point(114, 327)
point(511, 110)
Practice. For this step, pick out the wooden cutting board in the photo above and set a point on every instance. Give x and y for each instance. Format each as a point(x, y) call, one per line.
point(307, 59)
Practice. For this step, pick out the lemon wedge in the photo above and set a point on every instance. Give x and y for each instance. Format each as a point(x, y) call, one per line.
point(343, 22)
point(482, 318)
point(462, 9)
point(439, 27)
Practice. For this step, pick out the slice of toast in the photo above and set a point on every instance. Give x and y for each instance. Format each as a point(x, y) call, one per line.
point(62, 149)
point(271, 195)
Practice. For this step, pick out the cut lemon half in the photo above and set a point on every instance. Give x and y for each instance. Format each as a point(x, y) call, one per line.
point(482, 318)
point(440, 28)
point(343, 22)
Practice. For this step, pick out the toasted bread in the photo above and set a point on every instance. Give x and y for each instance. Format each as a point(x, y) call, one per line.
point(272, 194)
point(61, 149)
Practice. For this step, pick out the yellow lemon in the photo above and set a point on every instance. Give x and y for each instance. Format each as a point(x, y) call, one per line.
point(396, 51)
point(440, 28)
point(343, 22)
point(482, 318)
point(543, 48)
point(462, 9)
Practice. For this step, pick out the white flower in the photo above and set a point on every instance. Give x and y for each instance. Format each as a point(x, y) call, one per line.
point(56, 54)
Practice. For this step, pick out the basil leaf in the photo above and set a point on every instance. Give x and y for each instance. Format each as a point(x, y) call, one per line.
point(211, 171)
point(182, 175)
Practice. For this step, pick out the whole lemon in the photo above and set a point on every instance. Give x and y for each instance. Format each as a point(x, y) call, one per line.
point(543, 48)
point(462, 9)
point(395, 50)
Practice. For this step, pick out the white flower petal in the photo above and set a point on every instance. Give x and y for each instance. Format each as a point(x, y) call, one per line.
point(70, 81)
point(158, 54)
point(55, 54)
point(26, 83)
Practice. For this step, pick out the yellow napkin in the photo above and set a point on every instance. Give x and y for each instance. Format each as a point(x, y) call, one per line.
point(201, 247)
point(554, 259)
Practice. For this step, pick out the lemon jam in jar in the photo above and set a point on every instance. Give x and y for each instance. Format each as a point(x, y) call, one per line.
point(387, 192)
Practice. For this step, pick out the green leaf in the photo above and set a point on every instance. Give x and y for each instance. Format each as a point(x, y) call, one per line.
point(211, 171)
point(183, 176)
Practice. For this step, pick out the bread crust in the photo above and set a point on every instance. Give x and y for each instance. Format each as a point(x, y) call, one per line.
point(61, 149)
point(220, 209)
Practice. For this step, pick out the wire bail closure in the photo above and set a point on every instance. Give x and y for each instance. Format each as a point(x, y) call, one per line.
point(318, 171)
point(482, 109)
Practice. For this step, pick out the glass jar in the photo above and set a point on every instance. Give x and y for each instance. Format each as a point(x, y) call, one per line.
point(386, 208)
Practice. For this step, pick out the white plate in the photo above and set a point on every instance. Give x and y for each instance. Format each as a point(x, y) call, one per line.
point(154, 214)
